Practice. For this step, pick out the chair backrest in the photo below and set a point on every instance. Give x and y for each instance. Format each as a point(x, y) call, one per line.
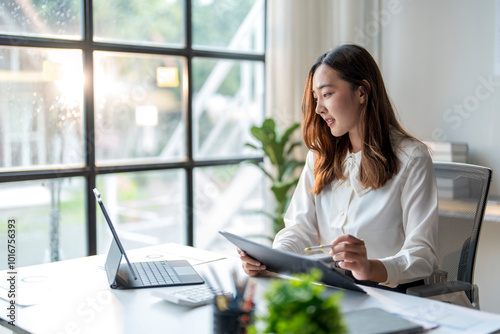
point(462, 191)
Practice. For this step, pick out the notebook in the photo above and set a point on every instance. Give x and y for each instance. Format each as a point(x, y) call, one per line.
point(134, 275)
point(278, 261)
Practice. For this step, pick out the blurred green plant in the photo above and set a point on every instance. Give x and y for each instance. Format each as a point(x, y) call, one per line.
point(300, 306)
point(278, 148)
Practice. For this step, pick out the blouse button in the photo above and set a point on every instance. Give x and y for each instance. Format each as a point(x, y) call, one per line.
point(349, 185)
point(342, 213)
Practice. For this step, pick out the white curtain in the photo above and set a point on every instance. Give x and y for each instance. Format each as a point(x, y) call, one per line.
point(298, 32)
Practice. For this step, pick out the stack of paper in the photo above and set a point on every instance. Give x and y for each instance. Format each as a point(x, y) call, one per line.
point(450, 152)
point(447, 151)
point(453, 188)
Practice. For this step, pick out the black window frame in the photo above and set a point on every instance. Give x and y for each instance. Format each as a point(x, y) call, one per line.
point(90, 170)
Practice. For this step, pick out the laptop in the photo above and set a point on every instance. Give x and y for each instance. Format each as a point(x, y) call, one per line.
point(278, 261)
point(127, 275)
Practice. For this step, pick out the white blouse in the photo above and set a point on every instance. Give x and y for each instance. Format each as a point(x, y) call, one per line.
point(398, 222)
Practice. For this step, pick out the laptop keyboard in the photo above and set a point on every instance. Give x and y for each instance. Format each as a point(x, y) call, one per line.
point(156, 273)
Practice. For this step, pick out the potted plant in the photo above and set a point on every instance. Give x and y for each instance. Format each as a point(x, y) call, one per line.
point(278, 149)
point(300, 306)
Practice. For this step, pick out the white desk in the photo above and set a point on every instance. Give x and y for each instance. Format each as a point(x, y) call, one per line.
point(73, 297)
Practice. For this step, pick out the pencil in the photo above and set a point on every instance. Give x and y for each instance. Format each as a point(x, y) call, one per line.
point(247, 306)
point(317, 248)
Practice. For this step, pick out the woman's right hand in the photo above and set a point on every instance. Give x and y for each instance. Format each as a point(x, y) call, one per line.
point(251, 266)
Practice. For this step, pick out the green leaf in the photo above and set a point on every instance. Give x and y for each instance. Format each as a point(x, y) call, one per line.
point(269, 124)
point(300, 306)
point(288, 133)
point(281, 189)
point(252, 146)
point(274, 152)
point(290, 167)
point(261, 134)
point(292, 147)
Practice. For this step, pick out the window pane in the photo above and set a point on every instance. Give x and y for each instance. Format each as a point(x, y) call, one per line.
point(42, 18)
point(226, 198)
point(139, 105)
point(229, 25)
point(228, 100)
point(41, 102)
point(152, 22)
point(146, 208)
point(49, 218)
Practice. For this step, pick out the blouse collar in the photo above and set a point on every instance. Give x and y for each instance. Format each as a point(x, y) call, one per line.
point(350, 167)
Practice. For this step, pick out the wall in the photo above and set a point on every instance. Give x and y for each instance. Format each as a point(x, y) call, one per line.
point(437, 59)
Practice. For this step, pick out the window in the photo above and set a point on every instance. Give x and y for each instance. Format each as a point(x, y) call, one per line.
point(149, 101)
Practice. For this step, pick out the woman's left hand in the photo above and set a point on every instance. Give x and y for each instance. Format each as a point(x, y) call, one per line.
point(351, 252)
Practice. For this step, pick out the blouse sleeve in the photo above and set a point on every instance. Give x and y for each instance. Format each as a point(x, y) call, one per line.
point(301, 228)
point(417, 258)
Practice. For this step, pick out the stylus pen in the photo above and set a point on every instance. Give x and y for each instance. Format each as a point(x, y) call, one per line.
point(317, 248)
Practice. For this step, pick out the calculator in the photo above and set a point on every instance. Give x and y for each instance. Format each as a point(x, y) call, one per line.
point(192, 296)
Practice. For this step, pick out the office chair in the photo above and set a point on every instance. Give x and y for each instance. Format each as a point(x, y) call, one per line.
point(462, 192)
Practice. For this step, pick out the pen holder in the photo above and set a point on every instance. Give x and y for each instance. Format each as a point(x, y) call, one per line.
point(231, 321)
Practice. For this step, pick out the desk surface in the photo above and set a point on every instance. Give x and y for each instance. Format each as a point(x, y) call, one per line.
point(73, 297)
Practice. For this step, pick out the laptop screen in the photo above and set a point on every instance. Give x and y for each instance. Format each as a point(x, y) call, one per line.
point(113, 262)
point(116, 245)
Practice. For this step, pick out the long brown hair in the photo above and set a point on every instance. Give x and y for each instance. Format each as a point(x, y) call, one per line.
point(379, 161)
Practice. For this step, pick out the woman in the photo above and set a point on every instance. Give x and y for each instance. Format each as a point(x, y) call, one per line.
point(368, 188)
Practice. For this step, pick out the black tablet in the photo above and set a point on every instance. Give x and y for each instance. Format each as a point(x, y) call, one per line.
point(288, 263)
